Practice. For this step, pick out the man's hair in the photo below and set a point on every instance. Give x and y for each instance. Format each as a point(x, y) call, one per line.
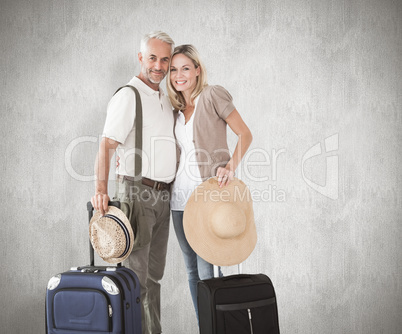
point(176, 98)
point(158, 35)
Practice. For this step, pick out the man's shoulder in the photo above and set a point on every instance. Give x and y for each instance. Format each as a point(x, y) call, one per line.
point(125, 92)
point(122, 95)
point(134, 82)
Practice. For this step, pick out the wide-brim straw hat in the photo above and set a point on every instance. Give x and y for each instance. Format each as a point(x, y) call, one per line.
point(219, 222)
point(111, 235)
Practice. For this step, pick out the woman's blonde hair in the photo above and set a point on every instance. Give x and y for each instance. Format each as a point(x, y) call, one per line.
point(177, 98)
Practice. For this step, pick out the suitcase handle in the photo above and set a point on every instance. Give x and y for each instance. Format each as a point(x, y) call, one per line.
point(90, 209)
point(94, 269)
point(239, 269)
point(239, 276)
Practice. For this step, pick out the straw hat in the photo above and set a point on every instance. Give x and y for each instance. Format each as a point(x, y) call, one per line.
point(219, 222)
point(111, 235)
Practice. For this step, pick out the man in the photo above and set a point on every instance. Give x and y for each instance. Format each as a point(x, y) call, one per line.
point(158, 170)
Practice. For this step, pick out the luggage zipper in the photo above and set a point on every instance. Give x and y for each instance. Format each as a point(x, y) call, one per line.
point(124, 278)
point(213, 290)
point(249, 319)
point(245, 306)
point(110, 311)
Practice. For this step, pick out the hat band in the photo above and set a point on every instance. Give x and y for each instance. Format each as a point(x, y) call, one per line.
point(126, 234)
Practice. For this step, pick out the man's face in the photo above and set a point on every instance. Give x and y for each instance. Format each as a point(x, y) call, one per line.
point(155, 62)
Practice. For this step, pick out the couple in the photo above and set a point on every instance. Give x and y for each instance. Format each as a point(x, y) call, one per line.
point(198, 126)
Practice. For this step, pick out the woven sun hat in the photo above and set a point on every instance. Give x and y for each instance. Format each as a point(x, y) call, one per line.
point(111, 235)
point(219, 222)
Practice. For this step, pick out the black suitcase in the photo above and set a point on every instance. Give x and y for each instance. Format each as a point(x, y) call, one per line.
point(237, 304)
point(94, 299)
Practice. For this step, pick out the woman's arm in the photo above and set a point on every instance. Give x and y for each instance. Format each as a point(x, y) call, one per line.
point(236, 123)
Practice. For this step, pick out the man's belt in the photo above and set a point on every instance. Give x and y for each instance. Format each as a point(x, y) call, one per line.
point(157, 185)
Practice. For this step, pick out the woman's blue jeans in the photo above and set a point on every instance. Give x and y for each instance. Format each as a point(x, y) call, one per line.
point(197, 268)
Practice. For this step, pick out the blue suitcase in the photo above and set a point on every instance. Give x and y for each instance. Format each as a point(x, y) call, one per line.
point(94, 299)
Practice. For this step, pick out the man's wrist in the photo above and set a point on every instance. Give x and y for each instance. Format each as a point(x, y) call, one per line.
point(101, 191)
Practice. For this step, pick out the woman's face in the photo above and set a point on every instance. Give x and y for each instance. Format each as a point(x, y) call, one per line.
point(183, 74)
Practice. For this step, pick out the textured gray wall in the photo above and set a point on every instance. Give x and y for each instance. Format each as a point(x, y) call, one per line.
point(305, 75)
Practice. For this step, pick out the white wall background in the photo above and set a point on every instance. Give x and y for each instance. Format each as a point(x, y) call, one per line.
point(299, 72)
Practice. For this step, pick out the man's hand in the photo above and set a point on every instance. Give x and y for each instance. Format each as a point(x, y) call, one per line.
point(100, 202)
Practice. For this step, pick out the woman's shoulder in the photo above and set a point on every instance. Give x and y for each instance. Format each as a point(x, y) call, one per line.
point(216, 91)
point(213, 88)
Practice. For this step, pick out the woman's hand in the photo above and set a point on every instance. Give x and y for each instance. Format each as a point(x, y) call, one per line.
point(224, 175)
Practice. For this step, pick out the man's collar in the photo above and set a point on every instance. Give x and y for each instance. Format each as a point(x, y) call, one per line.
point(145, 88)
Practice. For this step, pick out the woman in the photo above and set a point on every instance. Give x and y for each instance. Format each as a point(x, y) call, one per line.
point(202, 113)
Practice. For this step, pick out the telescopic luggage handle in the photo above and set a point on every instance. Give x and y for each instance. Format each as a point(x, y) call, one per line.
point(239, 269)
point(90, 209)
